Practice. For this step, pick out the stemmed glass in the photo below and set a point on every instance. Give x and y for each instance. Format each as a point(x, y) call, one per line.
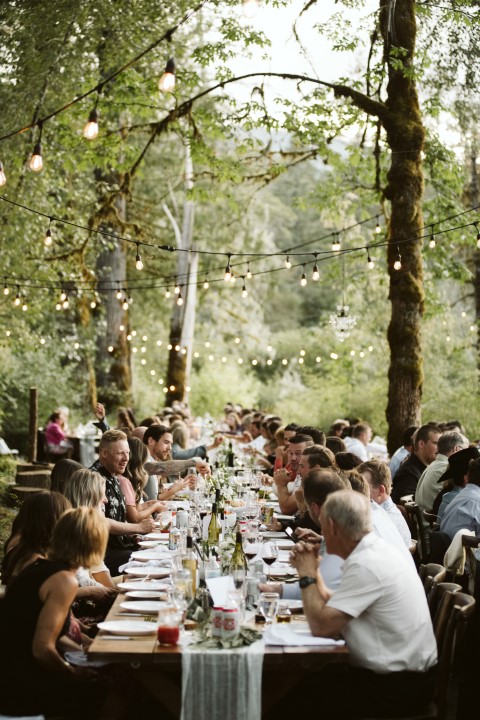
point(268, 605)
point(269, 554)
point(181, 592)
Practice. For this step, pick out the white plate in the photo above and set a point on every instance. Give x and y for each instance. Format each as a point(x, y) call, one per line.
point(144, 585)
point(149, 544)
point(280, 571)
point(145, 594)
point(157, 536)
point(285, 544)
point(153, 572)
point(273, 534)
point(149, 607)
point(128, 627)
point(161, 554)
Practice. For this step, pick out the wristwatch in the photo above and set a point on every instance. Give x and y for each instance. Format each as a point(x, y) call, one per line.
point(305, 581)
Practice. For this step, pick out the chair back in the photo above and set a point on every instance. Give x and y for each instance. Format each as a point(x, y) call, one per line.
point(439, 542)
point(462, 607)
point(472, 564)
point(439, 608)
point(418, 530)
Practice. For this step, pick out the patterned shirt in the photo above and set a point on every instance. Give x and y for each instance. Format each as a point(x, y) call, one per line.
point(115, 507)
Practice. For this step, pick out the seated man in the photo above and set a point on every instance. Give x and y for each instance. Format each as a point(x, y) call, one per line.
point(456, 472)
point(379, 608)
point(377, 475)
point(463, 512)
point(424, 453)
point(282, 478)
point(113, 454)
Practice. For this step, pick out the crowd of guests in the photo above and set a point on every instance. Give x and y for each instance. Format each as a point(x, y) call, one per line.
point(68, 544)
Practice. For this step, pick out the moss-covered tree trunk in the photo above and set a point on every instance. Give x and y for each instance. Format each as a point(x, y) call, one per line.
point(404, 190)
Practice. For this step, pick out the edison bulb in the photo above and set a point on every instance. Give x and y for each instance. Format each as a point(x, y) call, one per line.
point(36, 161)
point(167, 81)
point(90, 131)
point(3, 177)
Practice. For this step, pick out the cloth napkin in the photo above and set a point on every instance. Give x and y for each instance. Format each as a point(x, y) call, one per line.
point(297, 633)
point(219, 684)
point(138, 563)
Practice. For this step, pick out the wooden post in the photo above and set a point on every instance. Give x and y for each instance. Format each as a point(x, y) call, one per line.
point(32, 430)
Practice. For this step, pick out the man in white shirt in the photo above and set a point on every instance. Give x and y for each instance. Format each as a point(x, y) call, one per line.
point(357, 444)
point(377, 475)
point(379, 608)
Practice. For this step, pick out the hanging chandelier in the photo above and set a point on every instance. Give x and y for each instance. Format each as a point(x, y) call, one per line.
point(342, 322)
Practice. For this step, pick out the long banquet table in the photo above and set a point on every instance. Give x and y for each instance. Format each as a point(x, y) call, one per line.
point(159, 668)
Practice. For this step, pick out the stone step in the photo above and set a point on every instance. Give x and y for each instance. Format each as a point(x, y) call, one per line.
point(34, 478)
point(18, 493)
point(26, 467)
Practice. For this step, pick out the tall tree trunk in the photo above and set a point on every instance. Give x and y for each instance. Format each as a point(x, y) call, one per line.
point(473, 200)
point(405, 184)
point(182, 325)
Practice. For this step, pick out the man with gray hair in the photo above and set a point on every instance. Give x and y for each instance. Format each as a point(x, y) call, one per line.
point(379, 608)
point(427, 488)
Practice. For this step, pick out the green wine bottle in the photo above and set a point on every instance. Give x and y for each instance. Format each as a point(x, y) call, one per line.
point(214, 528)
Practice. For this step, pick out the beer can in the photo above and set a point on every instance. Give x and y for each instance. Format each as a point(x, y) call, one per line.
point(230, 622)
point(217, 621)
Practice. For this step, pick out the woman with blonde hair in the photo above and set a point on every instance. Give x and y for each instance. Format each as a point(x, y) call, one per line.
point(35, 614)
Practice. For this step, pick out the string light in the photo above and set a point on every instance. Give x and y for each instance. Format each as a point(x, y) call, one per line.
point(167, 293)
point(167, 81)
point(315, 273)
point(48, 235)
point(288, 264)
point(228, 269)
point(378, 229)
point(249, 272)
point(432, 242)
point(138, 259)
point(119, 294)
point(179, 298)
point(90, 131)
point(93, 303)
point(397, 265)
point(3, 177)
point(336, 244)
point(303, 280)
point(176, 289)
point(206, 284)
point(244, 290)
point(17, 300)
point(478, 234)
point(370, 262)
point(6, 289)
point(125, 303)
point(66, 302)
point(24, 306)
point(36, 161)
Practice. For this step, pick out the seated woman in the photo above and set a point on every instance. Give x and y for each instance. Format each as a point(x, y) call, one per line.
point(62, 472)
point(32, 532)
point(55, 436)
point(133, 484)
point(96, 590)
point(181, 437)
point(34, 615)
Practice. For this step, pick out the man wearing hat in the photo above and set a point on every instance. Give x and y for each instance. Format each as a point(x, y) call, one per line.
point(457, 473)
point(463, 512)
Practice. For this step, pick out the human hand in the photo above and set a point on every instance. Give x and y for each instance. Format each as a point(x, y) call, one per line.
point(300, 498)
point(308, 535)
point(99, 411)
point(271, 587)
point(192, 481)
point(100, 592)
point(179, 485)
point(279, 451)
point(202, 467)
point(147, 525)
point(217, 440)
point(304, 557)
point(281, 478)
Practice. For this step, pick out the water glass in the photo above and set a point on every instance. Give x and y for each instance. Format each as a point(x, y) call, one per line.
point(268, 605)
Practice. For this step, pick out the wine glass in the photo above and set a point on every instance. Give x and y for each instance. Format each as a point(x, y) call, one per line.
point(250, 546)
point(268, 605)
point(269, 554)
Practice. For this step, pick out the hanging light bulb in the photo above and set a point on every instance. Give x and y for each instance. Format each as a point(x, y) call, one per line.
point(336, 244)
point(48, 234)
point(177, 289)
point(206, 284)
point(6, 289)
point(24, 306)
point(478, 234)
point(58, 306)
point(125, 303)
point(432, 241)
point(244, 290)
point(315, 273)
point(63, 295)
point(250, 8)
point(378, 229)
point(66, 302)
point(249, 273)
point(36, 161)
point(303, 280)
point(3, 177)
point(167, 293)
point(17, 300)
point(138, 259)
point(397, 265)
point(288, 264)
point(370, 262)
point(180, 298)
point(90, 131)
point(93, 304)
point(167, 81)
point(228, 270)
point(119, 294)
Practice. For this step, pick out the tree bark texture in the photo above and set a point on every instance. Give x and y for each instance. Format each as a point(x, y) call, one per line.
point(404, 190)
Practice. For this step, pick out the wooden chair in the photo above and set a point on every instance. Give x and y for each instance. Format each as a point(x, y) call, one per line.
point(431, 574)
point(431, 519)
point(418, 530)
point(471, 543)
point(459, 608)
point(439, 543)
point(435, 597)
